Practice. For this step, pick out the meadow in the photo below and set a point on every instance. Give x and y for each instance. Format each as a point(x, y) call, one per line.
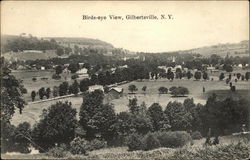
point(32, 112)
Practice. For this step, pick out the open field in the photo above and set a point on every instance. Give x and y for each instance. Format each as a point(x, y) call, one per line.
point(30, 85)
point(31, 112)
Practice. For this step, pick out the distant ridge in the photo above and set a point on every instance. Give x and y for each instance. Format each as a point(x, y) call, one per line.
point(84, 42)
point(231, 49)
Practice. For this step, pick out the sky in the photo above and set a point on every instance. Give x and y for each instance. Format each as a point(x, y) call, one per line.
point(193, 24)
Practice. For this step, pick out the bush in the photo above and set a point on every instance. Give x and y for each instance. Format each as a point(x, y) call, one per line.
point(34, 79)
point(173, 139)
point(74, 76)
point(79, 146)
point(196, 135)
point(58, 151)
point(222, 152)
point(134, 142)
point(150, 142)
point(56, 76)
point(97, 144)
point(163, 90)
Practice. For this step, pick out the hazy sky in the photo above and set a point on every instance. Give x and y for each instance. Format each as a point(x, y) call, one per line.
point(194, 24)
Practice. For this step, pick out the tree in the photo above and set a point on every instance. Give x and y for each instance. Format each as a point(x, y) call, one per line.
point(84, 85)
point(225, 116)
point(94, 79)
point(144, 88)
point(133, 107)
point(178, 73)
point(179, 91)
point(59, 51)
point(228, 68)
point(47, 93)
point(41, 92)
point(15, 139)
point(205, 75)
point(189, 75)
point(128, 124)
point(73, 67)
point(242, 77)
point(59, 69)
point(57, 125)
point(157, 116)
point(33, 95)
point(97, 118)
point(132, 88)
point(197, 75)
point(55, 91)
point(238, 75)
point(11, 93)
point(170, 74)
point(179, 118)
point(75, 88)
point(163, 90)
point(247, 75)
point(63, 89)
point(222, 76)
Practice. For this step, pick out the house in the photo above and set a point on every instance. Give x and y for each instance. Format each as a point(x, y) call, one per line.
point(124, 66)
point(82, 71)
point(42, 68)
point(81, 65)
point(115, 93)
point(95, 87)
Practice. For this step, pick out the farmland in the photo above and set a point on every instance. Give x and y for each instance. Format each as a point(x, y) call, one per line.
point(31, 112)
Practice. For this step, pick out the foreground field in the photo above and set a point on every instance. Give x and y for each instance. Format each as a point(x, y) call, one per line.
point(230, 147)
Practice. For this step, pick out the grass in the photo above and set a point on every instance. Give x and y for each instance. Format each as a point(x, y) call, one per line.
point(32, 112)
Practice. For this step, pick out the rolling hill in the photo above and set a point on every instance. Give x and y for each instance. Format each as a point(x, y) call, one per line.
point(240, 49)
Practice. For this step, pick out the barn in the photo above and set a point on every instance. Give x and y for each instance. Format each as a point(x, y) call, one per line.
point(115, 93)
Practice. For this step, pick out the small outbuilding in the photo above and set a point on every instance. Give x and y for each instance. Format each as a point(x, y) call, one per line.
point(115, 93)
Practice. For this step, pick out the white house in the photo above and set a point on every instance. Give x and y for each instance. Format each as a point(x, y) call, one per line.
point(82, 71)
point(95, 87)
point(42, 68)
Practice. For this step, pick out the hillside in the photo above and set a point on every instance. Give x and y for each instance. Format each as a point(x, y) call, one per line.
point(81, 42)
point(232, 49)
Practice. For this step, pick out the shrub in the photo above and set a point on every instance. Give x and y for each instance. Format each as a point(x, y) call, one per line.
point(58, 151)
point(179, 91)
point(132, 88)
point(150, 142)
point(74, 76)
point(79, 146)
point(163, 90)
point(34, 79)
point(134, 142)
point(97, 144)
point(173, 139)
point(196, 135)
point(56, 76)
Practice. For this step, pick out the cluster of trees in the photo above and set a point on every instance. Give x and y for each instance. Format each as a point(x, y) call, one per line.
point(61, 90)
point(99, 121)
point(238, 76)
point(175, 91)
point(33, 43)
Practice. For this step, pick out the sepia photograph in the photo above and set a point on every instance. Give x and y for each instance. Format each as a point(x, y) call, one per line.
point(163, 80)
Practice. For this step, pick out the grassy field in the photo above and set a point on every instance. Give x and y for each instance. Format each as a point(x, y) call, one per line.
point(31, 112)
point(30, 85)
